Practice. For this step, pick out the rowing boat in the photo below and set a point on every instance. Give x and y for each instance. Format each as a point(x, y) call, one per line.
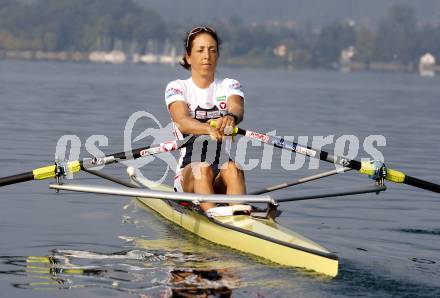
point(261, 236)
point(256, 233)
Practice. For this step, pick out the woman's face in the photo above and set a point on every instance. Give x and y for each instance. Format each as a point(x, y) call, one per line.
point(204, 55)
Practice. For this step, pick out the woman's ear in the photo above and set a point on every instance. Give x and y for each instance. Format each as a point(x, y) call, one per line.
point(188, 58)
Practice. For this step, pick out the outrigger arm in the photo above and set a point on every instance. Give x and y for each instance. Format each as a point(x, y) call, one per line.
point(176, 196)
point(299, 181)
point(348, 192)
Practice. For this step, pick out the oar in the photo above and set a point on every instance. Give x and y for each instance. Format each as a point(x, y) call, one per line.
point(363, 167)
point(87, 163)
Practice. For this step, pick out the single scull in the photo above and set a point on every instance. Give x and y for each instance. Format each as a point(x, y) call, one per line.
point(257, 232)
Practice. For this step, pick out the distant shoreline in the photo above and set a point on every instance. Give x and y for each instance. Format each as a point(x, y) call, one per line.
point(122, 58)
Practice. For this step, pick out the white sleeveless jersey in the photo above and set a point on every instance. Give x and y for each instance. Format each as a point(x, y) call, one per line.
point(203, 104)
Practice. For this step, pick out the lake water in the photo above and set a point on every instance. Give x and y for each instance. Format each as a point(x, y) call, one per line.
point(83, 245)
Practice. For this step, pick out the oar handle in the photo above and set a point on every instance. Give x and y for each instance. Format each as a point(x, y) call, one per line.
point(235, 131)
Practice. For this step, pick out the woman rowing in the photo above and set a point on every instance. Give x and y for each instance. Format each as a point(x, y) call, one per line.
point(205, 168)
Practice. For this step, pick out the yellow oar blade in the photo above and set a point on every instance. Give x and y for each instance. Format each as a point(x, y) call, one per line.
point(49, 171)
point(399, 177)
point(369, 169)
point(78, 165)
point(40, 173)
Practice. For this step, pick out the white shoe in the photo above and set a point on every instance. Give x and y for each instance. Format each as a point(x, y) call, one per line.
point(227, 210)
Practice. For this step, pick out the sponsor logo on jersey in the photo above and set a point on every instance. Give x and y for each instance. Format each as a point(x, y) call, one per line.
point(200, 114)
point(213, 114)
point(172, 92)
point(236, 86)
point(221, 98)
point(222, 105)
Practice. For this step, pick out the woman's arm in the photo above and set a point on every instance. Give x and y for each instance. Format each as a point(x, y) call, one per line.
point(235, 106)
point(188, 125)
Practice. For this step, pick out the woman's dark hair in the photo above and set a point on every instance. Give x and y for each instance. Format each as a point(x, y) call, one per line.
point(189, 39)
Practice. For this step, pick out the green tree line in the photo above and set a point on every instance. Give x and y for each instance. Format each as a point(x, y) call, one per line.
point(80, 25)
point(87, 25)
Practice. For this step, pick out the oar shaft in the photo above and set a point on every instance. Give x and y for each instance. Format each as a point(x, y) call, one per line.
point(28, 176)
point(363, 167)
point(280, 142)
point(137, 153)
point(87, 163)
point(421, 184)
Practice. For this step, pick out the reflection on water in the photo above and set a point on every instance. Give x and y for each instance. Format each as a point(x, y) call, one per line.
point(201, 283)
point(134, 271)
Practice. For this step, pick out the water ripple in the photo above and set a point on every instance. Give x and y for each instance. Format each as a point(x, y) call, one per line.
point(420, 231)
point(131, 271)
